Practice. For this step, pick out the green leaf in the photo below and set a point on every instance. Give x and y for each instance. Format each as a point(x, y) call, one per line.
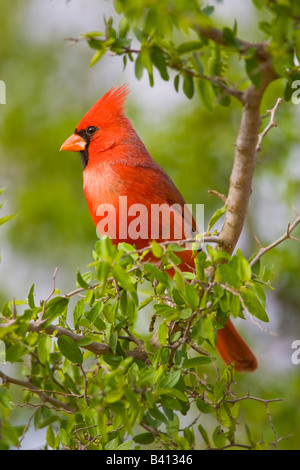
point(9, 433)
point(160, 276)
point(253, 304)
point(159, 60)
point(248, 433)
point(175, 337)
point(235, 305)
point(145, 302)
point(179, 279)
point(6, 218)
point(81, 282)
point(204, 434)
point(206, 93)
point(225, 273)
point(192, 296)
point(197, 64)
point(195, 362)
point(5, 398)
point(69, 349)
point(188, 85)
point(207, 10)
point(178, 297)
point(203, 406)
point(156, 249)
point(114, 395)
point(54, 308)
point(113, 444)
point(243, 267)
point(163, 332)
point(95, 311)
point(200, 264)
point(31, 297)
point(97, 44)
point(97, 56)
point(253, 71)
point(157, 414)
point(92, 34)
point(78, 311)
point(64, 438)
point(182, 443)
point(216, 217)
point(50, 437)
point(172, 426)
point(144, 438)
point(189, 46)
point(15, 352)
point(265, 27)
point(113, 341)
point(85, 341)
point(112, 360)
point(171, 380)
point(44, 348)
point(124, 27)
point(189, 435)
point(229, 37)
point(219, 437)
point(123, 278)
point(139, 67)
point(125, 445)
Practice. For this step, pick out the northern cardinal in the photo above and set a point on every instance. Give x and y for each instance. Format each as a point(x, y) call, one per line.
point(117, 164)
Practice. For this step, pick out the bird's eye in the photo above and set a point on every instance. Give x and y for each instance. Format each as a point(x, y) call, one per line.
point(91, 130)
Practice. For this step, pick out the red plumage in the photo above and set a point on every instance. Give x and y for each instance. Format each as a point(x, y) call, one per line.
point(118, 164)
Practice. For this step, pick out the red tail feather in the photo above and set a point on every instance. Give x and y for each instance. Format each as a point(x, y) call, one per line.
point(233, 349)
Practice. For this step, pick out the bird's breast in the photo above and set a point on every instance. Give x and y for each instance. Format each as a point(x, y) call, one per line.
point(101, 185)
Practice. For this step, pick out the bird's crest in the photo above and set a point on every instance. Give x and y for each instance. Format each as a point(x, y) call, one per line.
point(107, 107)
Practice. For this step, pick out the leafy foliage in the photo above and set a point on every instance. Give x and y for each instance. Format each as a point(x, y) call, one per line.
point(176, 36)
point(134, 390)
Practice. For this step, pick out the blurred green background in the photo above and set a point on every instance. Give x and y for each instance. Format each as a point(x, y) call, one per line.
point(49, 86)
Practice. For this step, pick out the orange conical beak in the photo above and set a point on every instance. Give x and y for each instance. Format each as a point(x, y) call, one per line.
point(75, 143)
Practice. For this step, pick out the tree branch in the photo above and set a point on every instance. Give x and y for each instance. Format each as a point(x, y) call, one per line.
point(283, 237)
point(271, 124)
point(244, 162)
point(243, 46)
point(96, 348)
point(41, 316)
point(29, 386)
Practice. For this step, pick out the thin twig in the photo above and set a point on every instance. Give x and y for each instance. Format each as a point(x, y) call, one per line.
point(26, 429)
point(85, 386)
point(41, 316)
point(29, 386)
point(283, 237)
point(271, 124)
point(217, 194)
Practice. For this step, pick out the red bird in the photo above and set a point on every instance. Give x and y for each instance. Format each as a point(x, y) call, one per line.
point(117, 164)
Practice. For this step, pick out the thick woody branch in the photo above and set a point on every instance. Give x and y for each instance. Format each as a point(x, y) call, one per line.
point(96, 348)
point(243, 46)
point(244, 161)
